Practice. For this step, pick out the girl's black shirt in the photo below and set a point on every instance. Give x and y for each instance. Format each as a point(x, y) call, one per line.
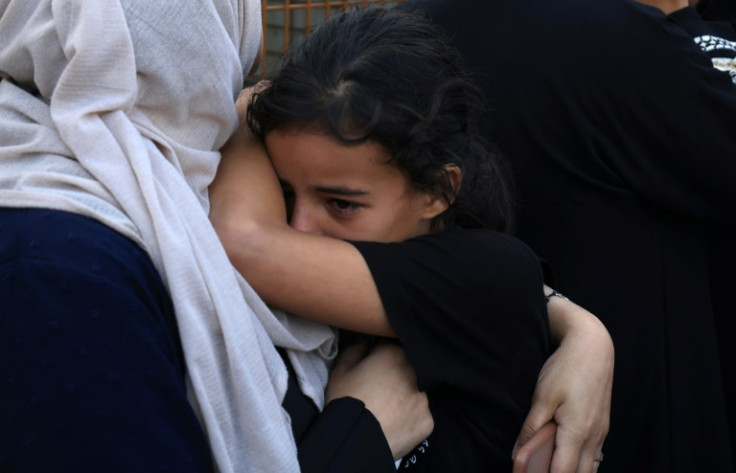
point(469, 309)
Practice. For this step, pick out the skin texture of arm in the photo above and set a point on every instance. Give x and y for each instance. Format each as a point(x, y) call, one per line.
point(320, 278)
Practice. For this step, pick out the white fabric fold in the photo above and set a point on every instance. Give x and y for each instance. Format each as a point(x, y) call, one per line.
point(114, 109)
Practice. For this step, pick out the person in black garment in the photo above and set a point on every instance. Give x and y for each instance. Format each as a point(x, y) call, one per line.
point(712, 25)
point(396, 210)
point(620, 133)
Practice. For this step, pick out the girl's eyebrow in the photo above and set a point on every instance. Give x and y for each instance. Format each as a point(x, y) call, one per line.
point(340, 190)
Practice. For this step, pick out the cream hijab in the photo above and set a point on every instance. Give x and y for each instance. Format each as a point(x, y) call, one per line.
point(131, 99)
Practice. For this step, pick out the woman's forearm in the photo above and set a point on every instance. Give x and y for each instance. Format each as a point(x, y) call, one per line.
point(566, 317)
point(574, 386)
point(319, 278)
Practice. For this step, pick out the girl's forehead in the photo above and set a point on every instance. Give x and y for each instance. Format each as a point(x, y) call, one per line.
point(310, 143)
point(320, 159)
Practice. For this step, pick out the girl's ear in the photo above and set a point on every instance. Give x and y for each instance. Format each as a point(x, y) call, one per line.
point(450, 179)
point(453, 180)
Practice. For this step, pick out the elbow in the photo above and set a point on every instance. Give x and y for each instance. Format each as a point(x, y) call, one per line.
point(253, 251)
point(240, 238)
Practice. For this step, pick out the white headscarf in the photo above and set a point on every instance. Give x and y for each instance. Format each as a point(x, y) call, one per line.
point(115, 109)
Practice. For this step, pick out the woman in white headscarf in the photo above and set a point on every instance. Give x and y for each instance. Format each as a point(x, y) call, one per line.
point(111, 112)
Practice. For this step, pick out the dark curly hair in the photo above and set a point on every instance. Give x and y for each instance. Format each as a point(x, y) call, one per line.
point(389, 76)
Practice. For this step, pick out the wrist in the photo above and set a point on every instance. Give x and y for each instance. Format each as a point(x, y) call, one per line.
point(554, 293)
point(567, 318)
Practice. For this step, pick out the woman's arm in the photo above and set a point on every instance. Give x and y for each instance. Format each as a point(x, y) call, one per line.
point(319, 278)
point(574, 387)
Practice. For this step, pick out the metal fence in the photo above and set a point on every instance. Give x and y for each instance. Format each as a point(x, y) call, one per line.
point(286, 22)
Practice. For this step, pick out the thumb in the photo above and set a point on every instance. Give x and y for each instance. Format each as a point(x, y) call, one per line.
point(538, 416)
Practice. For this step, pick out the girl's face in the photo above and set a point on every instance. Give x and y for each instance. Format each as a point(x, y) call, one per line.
point(347, 192)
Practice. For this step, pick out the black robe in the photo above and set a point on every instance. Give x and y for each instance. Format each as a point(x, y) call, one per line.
point(622, 137)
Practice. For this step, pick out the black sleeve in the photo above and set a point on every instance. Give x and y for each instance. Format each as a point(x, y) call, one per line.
point(467, 306)
point(345, 437)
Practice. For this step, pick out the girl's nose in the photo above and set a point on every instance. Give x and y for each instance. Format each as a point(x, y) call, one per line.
point(303, 219)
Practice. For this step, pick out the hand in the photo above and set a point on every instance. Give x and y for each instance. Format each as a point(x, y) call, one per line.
point(574, 389)
point(383, 379)
point(243, 100)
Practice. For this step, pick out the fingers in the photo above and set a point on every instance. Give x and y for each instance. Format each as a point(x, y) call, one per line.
point(243, 100)
point(578, 439)
point(539, 415)
point(569, 459)
point(570, 455)
point(574, 387)
point(544, 406)
point(590, 454)
point(586, 460)
point(575, 452)
point(383, 380)
point(597, 461)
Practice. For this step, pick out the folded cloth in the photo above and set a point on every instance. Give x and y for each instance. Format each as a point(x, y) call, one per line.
point(115, 109)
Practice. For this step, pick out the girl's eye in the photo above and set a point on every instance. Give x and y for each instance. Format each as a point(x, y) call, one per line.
point(343, 206)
